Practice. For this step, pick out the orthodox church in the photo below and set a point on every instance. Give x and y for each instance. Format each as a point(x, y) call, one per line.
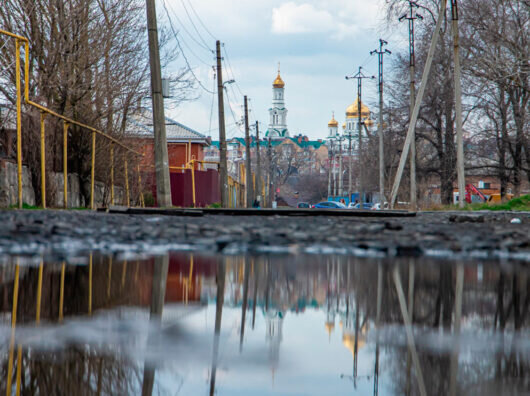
point(277, 129)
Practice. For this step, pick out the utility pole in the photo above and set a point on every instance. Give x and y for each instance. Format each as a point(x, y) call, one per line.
point(163, 187)
point(411, 17)
point(258, 164)
point(458, 108)
point(381, 54)
point(248, 167)
point(223, 167)
point(360, 76)
point(416, 111)
point(341, 189)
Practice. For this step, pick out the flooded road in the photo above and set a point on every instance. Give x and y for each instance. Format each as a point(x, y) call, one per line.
point(192, 324)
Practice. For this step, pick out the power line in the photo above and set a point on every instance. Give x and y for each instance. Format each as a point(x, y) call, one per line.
point(211, 109)
point(200, 21)
point(231, 70)
point(182, 51)
point(202, 45)
point(192, 24)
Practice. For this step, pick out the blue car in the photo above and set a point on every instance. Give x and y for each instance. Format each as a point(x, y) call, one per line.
point(330, 205)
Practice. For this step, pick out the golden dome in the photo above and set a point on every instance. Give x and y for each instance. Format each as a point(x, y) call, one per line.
point(369, 123)
point(278, 83)
point(353, 111)
point(343, 125)
point(333, 122)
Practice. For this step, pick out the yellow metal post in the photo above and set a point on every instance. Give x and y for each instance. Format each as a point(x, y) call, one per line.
point(13, 325)
point(39, 293)
point(90, 284)
point(191, 268)
point(142, 202)
point(19, 123)
point(109, 278)
point(193, 182)
point(19, 369)
point(123, 273)
point(61, 292)
point(43, 159)
point(92, 174)
point(112, 173)
point(127, 196)
point(65, 164)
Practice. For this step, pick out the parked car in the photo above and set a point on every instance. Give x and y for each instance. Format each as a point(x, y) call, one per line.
point(303, 205)
point(378, 206)
point(366, 205)
point(329, 205)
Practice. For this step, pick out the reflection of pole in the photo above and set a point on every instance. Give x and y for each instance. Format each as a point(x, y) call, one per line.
point(245, 301)
point(39, 293)
point(158, 293)
point(377, 323)
point(255, 297)
point(456, 328)
point(13, 326)
point(221, 273)
point(356, 346)
point(408, 329)
point(411, 312)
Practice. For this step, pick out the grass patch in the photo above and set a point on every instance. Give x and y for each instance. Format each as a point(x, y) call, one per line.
point(516, 204)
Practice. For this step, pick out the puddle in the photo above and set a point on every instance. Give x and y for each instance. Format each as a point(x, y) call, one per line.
point(313, 325)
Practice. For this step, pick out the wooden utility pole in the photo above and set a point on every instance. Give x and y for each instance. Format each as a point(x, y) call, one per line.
point(248, 165)
point(223, 166)
point(411, 17)
point(258, 170)
point(416, 111)
point(381, 54)
point(163, 187)
point(458, 108)
point(359, 77)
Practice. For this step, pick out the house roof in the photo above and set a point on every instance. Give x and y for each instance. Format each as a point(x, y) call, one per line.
point(141, 125)
point(265, 142)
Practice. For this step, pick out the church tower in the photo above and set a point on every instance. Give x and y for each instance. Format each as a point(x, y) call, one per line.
point(278, 113)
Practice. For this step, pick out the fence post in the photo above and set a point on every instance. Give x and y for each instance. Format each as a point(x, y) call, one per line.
point(43, 159)
point(112, 173)
point(65, 164)
point(193, 182)
point(92, 174)
point(127, 196)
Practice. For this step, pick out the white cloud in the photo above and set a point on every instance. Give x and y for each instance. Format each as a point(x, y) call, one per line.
point(303, 18)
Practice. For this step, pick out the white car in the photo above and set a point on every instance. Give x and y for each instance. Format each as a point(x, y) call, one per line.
point(378, 206)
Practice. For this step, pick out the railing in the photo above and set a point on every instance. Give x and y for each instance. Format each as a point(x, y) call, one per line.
point(19, 41)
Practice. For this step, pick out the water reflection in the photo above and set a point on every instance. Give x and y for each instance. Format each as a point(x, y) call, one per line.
point(234, 325)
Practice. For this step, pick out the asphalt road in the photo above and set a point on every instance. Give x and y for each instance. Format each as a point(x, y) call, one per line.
point(63, 235)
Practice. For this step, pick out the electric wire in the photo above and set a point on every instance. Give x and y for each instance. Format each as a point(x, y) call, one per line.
point(200, 21)
point(211, 109)
point(231, 69)
point(183, 54)
point(202, 45)
point(193, 24)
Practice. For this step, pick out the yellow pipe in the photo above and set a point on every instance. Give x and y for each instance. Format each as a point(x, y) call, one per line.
point(112, 173)
point(123, 273)
point(142, 202)
point(110, 277)
point(90, 285)
point(61, 292)
point(13, 325)
point(191, 268)
point(19, 123)
point(39, 293)
point(92, 173)
point(193, 182)
point(127, 196)
point(19, 369)
point(189, 150)
point(65, 164)
point(43, 159)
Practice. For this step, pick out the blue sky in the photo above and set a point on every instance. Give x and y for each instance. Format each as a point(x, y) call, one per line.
point(318, 44)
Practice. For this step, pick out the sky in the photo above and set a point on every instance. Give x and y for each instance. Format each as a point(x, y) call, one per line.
point(317, 44)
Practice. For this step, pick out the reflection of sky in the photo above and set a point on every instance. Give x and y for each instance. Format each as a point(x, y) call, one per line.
point(310, 361)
